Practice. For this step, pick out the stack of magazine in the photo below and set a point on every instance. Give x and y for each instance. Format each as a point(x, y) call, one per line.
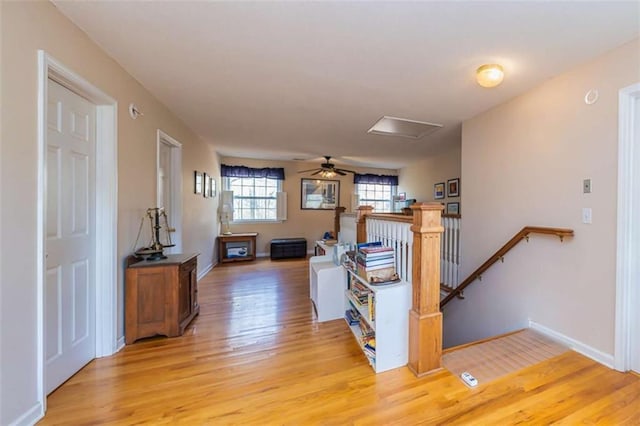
point(375, 262)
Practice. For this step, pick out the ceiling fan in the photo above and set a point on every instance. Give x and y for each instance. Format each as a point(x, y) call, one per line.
point(327, 169)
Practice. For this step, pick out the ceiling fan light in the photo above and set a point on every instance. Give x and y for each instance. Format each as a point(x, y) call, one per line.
point(489, 75)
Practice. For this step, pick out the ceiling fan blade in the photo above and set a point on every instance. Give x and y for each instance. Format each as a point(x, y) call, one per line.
point(340, 172)
point(310, 170)
point(319, 171)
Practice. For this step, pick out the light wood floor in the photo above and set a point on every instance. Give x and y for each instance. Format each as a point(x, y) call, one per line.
point(255, 356)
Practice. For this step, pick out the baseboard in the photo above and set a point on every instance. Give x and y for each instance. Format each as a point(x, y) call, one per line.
point(120, 344)
point(586, 350)
point(31, 417)
point(206, 270)
point(263, 254)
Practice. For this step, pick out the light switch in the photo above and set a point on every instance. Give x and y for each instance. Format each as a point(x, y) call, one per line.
point(586, 186)
point(586, 215)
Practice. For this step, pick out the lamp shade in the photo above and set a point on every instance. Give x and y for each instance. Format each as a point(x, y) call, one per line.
point(489, 75)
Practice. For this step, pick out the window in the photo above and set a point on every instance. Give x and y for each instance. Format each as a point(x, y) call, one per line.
point(376, 190)
point(378, 196)
point(256, 193)
point(254, 198)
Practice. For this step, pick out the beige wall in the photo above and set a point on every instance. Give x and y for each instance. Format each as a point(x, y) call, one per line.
point(523, 164)
point(309, 224)
point(27, 27)
point(418, 178)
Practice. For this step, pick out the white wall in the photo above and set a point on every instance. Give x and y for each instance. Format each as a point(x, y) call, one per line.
point(25, 28)
point(523, 164)
point(418, 178)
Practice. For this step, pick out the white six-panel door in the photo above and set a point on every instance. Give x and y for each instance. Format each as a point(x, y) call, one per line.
point(69, 290)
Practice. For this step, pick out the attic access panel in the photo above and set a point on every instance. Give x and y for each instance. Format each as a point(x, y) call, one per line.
point(393, 126)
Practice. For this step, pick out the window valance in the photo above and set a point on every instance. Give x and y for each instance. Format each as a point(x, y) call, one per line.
point(250, 172)
point(375, 179)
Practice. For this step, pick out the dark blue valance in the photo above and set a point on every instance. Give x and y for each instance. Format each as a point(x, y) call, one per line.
point(375, 179)
point(249, 172)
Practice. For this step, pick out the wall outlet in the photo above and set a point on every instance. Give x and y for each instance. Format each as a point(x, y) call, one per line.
point(586, 215)
point(586, 186)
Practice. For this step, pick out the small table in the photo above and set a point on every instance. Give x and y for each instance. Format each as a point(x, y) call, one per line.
point(237, 247)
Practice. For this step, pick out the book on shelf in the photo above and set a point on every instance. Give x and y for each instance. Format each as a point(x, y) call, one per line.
point(352, 316)
point(376, 251)
point(377, 265)
point(381, 274)
point(366, 330)
point(368, 245)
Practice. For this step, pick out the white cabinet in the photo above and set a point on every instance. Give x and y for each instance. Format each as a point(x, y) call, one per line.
point(327, 284)
point(385, 312)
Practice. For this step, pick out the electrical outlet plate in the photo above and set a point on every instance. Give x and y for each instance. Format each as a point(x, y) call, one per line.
point(586, 186)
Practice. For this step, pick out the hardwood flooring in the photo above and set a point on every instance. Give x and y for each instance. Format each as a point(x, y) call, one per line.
point(255, 356)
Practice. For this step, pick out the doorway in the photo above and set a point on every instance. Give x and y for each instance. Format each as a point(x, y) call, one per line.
point(100, 191)
point(169, 186)
point(627, 338)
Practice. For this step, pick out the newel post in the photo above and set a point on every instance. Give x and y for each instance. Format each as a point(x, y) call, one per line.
point(425, 318)
point(361, 223)
point(336, 221)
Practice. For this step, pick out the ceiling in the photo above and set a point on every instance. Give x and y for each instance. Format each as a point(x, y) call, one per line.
point(287, 80)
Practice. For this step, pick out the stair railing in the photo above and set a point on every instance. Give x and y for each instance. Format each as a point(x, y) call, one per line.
point(499, 255)
point(450, 252)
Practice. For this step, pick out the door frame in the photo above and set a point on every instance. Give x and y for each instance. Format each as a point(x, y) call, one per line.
point(106, 192)
point(627, 276)
point(176, 186)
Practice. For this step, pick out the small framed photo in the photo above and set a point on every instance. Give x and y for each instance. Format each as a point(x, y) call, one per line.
point(453, 208)
point(453, 187)
point(402, 196)
point(213, 187)
point(438, 191)
point(197, 182)
point(206, 191)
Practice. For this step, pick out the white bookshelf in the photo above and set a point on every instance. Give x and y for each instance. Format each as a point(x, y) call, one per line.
point(391, 304)
point(327, 283)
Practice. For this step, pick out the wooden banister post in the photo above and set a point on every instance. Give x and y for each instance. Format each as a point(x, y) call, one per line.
point(361, 224)
point(336, 221)
point(425, 318)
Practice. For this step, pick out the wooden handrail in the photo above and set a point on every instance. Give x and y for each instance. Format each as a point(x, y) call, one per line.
point(392, 217)
point(523, 234)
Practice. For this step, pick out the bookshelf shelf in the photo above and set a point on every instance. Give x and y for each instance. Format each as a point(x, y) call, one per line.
point(387, 314)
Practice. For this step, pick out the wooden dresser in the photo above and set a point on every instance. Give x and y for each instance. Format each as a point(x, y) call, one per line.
point(161, 296)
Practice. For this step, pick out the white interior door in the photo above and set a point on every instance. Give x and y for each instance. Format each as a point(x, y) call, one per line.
point(169, 187)
point(69, 289)
point(635, 242)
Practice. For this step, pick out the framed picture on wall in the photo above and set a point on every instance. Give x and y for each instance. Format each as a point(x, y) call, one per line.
point(453, 187)
point(197, 182)
point(438, 191)
point(213, 187)
point(319, 194)
point(453, 208)
point(206, 191)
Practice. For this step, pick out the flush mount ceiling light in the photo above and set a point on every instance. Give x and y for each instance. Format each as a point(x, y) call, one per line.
point(489, 75)
point(392, 126)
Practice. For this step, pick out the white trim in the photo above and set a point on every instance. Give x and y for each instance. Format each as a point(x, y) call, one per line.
point(120, 344)
point(176, 186)
point(29, 417)
point(627, 298)
point(106, 209)
point(206, 270)
point(586, 350)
